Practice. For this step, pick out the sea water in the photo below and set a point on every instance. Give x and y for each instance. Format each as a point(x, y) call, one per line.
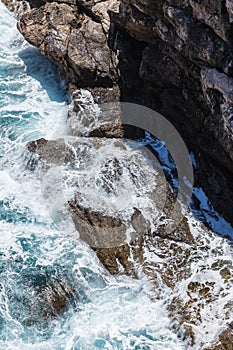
point(105, 312)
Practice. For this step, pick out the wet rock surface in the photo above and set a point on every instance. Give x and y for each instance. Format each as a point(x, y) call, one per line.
point(43, 292)
point(87, 117)
point(105, 172)
point(225, 340)
point(176, 57)
point(186, 264)
point(173, 56)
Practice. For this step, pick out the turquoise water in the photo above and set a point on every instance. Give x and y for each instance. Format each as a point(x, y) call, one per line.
point(103, 312)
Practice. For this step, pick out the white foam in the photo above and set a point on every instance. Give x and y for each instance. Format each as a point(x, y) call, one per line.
point(118, 311)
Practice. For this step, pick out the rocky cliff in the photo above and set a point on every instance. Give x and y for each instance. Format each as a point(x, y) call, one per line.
point(184, 70)
point(175, 56)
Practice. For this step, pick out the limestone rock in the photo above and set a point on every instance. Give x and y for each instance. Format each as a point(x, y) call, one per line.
point(87, 118)
point(72, 40)
point(19, 8)
point(57, 153)
point(211, 13)
point(174, 56)
point(48, 28)
point(164, 47)
point(99, 10)
point(213, 79)
point(88, 51)
point(140, 26)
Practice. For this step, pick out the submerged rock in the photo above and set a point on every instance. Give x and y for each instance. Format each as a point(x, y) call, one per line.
point(40, 294)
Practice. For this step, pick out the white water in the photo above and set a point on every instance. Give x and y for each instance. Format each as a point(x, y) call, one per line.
point(106, 312)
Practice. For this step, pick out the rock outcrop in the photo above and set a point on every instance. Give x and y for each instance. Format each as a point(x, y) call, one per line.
point(75, 41)
point(182, 66)
point(110, 182)
point(175, 56)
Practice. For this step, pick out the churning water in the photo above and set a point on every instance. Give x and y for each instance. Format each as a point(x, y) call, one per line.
point(103, 312)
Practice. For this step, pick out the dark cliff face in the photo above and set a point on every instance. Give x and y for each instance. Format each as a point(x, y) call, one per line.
point(175, 56)
point(179, 61)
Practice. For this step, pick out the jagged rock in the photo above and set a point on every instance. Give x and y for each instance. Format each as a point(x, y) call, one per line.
point(74, 41)
point(107, 235)
point(183, 37)
point(222, 102)
point(95, 113)
point(169, 52)
point(151, 9)
point(48, 28)
point(139, 26)
point(165, 72)
point(150, 69)
point(188, 308)
point(211, 13)
point(199, 42)
point(87, 118)
point(48, 154)
point(107, 202)
point(88, 50)
point(213, 79)
point(225, 340)
point(99, 10)
point(229, 6)
point(17, 7)
point(100, 230)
